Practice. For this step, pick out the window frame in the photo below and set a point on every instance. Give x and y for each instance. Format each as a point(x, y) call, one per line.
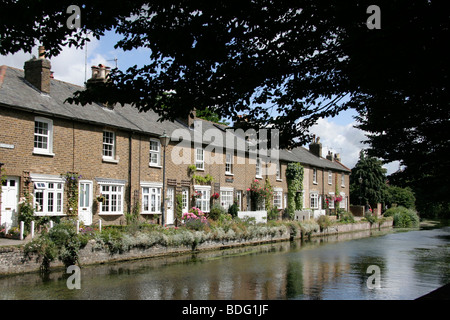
point(278, 198)
point(314, 204)
point(200, 161)
point(153, 194)
point(331, 203)
point(53, 187)
point(203, 203)
point(226, 197)
point(49, 136)
point(258, 168)
point(229, 164)
point(314, 176)
point(330, 177)
point(111, 157)
point(155, 152)
point(108, 198)
point(278, 173)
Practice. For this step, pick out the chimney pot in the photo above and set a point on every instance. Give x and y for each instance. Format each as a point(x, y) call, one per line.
point(41, 51)
point(330, 156)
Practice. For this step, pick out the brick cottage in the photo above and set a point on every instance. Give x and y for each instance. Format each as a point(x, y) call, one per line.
point(116, 156)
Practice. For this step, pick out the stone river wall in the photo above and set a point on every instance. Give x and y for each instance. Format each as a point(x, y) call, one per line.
point(13, 259)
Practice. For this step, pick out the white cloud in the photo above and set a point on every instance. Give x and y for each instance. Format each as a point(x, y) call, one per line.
point(68, 66)
point(344, 139)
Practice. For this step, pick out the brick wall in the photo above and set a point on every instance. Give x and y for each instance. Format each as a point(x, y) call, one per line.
point(77, 147)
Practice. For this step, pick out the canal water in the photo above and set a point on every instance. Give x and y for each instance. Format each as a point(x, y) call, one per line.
point(393, 264)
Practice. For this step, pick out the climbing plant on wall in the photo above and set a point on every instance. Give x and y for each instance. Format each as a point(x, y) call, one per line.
point(71, 179)
point(294, 176)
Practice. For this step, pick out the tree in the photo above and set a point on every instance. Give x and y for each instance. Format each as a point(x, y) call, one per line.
point(368, 181)
point(281, 63)
point(209, 115)
point(400, 196)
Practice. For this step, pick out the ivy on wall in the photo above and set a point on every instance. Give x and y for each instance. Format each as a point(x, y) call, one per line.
point(72, 179)
point(294, 176)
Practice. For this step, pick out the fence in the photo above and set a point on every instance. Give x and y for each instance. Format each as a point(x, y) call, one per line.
point(260, 216)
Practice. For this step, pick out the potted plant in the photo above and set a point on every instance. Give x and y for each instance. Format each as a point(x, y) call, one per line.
point(100, 198)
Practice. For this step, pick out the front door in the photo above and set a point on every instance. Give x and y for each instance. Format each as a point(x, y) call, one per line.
point(85, 202)
point(239, 199)
point(170, 205)
point(185, 199)
point(9, 206)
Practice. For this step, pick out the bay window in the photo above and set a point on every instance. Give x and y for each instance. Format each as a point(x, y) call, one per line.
point(203, 202)
point(113, 199)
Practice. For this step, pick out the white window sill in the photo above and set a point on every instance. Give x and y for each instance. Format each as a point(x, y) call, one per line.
point(111, 213)
point(109, 160)
point(200, 169)
point(229, 174)
point(314, 182)
point(151, 213)
point(258, 177)
point(43, 153)
point(154, 166)
point(50, 214)
point(280, 180)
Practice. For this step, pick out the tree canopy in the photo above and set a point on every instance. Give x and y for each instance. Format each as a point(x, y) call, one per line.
point(372, 187)
point(280, 63)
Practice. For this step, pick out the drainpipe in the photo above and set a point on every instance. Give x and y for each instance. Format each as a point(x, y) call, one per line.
point(1, 165)
point(129, 171)
point(323, 188)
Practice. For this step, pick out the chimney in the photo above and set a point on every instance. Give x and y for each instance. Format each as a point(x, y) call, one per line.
point(100, 73)
point(315, 147)
point(188, 120)
point(37, 71)
point(330, 156)
point(337, 157)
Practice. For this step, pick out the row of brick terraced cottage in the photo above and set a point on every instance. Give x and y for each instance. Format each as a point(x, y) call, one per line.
point(116, 156)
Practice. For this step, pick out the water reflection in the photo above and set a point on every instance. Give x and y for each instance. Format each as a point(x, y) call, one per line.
point(411, 264)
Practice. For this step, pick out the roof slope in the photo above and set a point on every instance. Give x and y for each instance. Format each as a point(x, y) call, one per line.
point(16, 92)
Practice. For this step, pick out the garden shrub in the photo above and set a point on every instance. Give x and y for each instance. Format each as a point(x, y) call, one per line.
point(346, 217)
point(309, 226)
point(403, 217)
point(61, 242)
point(215, 211)
point(272, 214)
point(324, 222)
point(370, 217)
point(233, 210)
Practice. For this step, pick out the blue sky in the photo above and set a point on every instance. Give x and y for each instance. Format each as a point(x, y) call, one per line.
point(336, 134)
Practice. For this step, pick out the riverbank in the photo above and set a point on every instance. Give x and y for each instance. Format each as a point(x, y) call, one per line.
point(14, 259)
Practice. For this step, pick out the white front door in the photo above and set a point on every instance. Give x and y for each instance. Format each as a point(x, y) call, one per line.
point(170, 205)
point(9, 206)
point(185, 199)
point(85, 202)
point(239, 199)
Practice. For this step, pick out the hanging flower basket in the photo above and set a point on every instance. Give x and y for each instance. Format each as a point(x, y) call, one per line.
point(196, 195)
point(215, 196)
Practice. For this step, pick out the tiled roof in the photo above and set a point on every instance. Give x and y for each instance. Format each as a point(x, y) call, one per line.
point(16, 92)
